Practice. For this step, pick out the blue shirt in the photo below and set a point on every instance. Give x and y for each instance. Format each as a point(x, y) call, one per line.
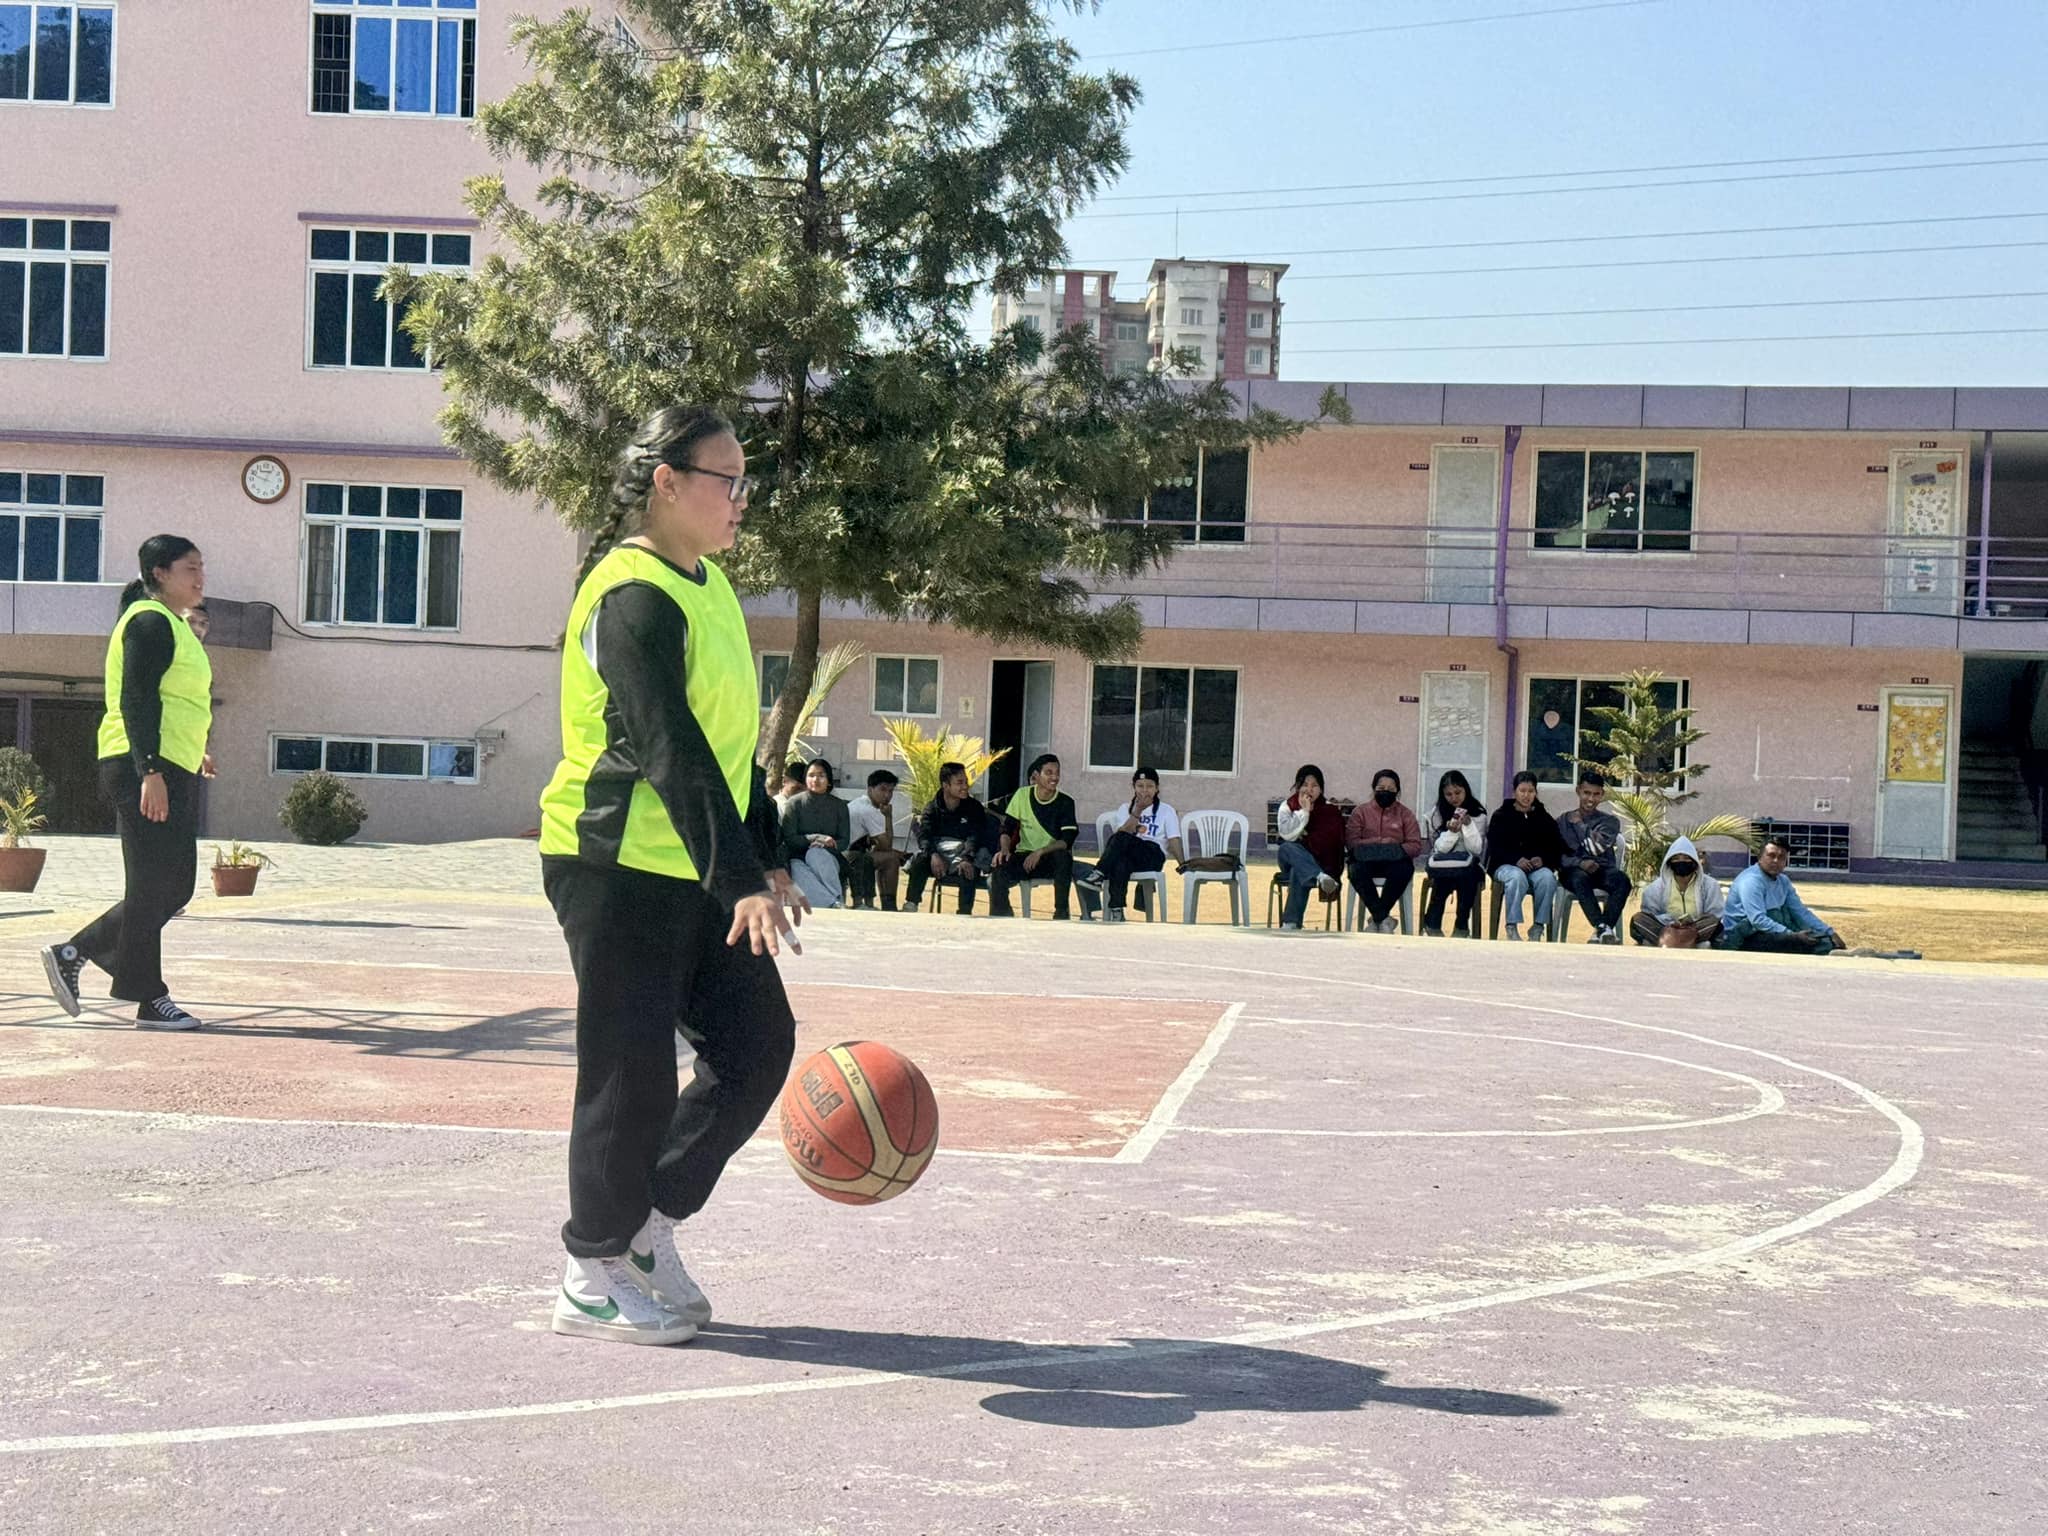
point(1761, 903)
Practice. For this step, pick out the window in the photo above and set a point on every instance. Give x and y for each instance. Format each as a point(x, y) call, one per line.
point(366, 59)
point(1256, 322)
point(1614, 500)
point(59, 55)
point(1191, 314)
point(774, 673)
point(53, 286)
point(349, 326)
point(1175, 719)
point(906, 685)
point(1206, 506)
point(1193, 346)
point(1255, 360)
point(1558, 713)
point(388, 555)
point(49, 526)
point(1129, 330)
point(361, 757)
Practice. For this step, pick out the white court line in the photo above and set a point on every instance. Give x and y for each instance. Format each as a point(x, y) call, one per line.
point(1905, 1163)
point(1160, 1121)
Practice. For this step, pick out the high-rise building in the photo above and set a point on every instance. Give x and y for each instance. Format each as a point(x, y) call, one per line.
point(1223, 315)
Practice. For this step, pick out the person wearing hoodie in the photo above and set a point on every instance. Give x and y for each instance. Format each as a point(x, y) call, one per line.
point(1311, 849)
point(1457, 853)
point(1384, 839)
point(1682, 907)
point(1524, 850)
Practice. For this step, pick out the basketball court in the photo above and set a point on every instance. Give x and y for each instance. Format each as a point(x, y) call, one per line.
point(1227, 1231)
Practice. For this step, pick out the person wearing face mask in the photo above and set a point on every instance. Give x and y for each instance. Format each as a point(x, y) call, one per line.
point(1682, 907)
point(1523, 850)
point(1383, 839)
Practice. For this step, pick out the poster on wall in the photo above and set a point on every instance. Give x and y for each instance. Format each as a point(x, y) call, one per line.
point(1916, 739)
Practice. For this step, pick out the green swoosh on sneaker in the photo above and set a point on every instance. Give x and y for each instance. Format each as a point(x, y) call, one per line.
point(646, 1265)
point(607, 1313)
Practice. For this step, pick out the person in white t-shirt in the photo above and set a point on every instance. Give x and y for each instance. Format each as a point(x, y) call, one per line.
point(873, 858)
point(1148, 835)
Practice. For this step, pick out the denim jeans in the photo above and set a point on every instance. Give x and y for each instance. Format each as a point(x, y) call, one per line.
point(1303, 875)
point(1517, 883)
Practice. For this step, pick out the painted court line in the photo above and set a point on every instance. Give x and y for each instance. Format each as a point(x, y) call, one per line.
point(1160, 1121)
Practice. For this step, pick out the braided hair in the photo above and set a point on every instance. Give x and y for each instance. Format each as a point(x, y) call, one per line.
point(666, 437)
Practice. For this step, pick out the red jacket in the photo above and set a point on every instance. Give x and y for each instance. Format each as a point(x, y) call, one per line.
point(1396, 824)
point(1323, 837)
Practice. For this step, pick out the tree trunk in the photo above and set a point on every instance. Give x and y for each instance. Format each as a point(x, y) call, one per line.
point(803, 667)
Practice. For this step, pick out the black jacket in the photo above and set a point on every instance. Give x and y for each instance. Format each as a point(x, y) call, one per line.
point(1513, 835)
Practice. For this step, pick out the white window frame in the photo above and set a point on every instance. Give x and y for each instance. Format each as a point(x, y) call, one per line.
point(29, 257)
point(938, 686)
point(428, 11)
point(761, 675)
point(383, 523)
point(1579, 680)
point(1580, 551)
point(426, 744)
point(1255, 322)
point(66, 514)
point(71, 100)
point(353, 268)
point(1258, 360)
point(1187, 745)
point(1194, 314)
point(1129, 330)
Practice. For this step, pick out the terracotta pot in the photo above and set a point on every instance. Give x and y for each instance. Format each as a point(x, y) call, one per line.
point(235, 879)
point(21, 868)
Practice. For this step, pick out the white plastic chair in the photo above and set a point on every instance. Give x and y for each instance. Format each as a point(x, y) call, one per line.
point(1210, 833)
point(1354, 909)
point(1155, 909)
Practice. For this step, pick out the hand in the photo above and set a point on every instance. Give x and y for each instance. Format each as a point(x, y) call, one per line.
point(825, 841)
point(206, 766)
point(156, 800)
point(1030, 862)
point(1131, 825)
point(1589, 866)
point(1002, 857)
point(938, 867)
point(763, 917)
point(1809, 937)
point(1528, 866)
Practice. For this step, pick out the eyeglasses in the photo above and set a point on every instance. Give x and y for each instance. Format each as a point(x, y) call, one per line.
point(737, 487)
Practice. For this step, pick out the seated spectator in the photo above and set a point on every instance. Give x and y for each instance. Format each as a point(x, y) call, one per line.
point(1524, 850)
point(1764, 912)
point(793, 774)
point(873, 860)
point(1383, 839)
point(1040, 827)
point(1311, 851)
point(1148, 835)
point(1592, 853)
point(1681, 908)
point(1457, 854)
point(815, 832)
point(954, 840)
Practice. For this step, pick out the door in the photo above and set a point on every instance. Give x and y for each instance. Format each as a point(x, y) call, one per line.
point(1464, 497)
point(63, 738)
point(1453, 734)
point(1924, 553)
point(1019, 718)
point(1914, 772)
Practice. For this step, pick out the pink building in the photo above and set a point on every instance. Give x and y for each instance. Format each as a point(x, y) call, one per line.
point(196, 204)
point(1455, 580)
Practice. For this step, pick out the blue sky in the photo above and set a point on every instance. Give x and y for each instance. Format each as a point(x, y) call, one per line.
point(1642, 85)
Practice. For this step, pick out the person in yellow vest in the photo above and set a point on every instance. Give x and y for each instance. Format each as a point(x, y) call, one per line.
point(657, 852)
point(152, 749)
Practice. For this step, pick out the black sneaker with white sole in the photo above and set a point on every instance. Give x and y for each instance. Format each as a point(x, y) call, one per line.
point(62, 963)
point(163, 1014)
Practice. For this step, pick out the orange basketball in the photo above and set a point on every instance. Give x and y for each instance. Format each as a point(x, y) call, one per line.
point(859, 1122)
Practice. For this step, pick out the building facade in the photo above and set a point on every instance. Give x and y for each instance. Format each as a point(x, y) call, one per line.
point(1457, 579)
point(1223, 316)
point(191, 341)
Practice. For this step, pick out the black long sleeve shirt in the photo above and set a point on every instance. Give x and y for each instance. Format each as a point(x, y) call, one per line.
point(637, 638)
point(146, 650)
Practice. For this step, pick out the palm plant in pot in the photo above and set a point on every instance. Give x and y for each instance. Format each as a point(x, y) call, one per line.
point(20, 865)
point(235, 869)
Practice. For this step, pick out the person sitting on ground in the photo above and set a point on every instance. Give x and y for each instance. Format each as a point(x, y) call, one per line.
point(1524, 850)
point(872, 858)
point(952, 841)
point(1147, 836)
point(1383, 839)
point(793, 775)
point(1311, 851)
point(1681, 908)
point(1040, 828)
point(1592, 849)
point(1457, 853)
point(1764, 912)
point(815, 833)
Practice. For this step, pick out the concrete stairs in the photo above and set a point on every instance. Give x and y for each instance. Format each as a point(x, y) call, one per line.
point(1994, 819)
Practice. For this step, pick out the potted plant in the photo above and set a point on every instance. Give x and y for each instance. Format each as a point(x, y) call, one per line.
point(235, 869)
point(20, 866)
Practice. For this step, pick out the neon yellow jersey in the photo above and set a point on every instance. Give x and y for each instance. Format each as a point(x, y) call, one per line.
point(186, 689)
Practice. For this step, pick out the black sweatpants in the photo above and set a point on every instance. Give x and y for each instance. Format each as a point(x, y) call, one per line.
point(1054, 864)
point(1465, 883)
point(1601, 895)
point(1379, 884)
point(160, 862)
point(1128, 855)
point(651, 961)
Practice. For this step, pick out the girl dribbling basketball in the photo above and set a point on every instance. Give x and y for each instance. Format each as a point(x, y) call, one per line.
point(656, 853)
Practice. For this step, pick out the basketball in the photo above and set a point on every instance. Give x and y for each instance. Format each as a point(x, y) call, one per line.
point(859, 1122)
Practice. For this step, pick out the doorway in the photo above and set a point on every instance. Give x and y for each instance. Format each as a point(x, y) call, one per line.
point(2002, 777)
point(62, 735)
point(1019, 718)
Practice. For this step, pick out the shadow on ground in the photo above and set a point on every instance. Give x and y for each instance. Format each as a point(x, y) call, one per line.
point(1133, 1384)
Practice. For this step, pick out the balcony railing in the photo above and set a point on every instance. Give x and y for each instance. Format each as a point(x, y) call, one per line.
point(1818, 572)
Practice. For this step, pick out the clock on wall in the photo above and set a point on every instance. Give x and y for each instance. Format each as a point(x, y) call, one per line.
point(265, 479)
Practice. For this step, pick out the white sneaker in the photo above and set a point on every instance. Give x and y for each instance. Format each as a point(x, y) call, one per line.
point(599, 1299)
point(1327, 884)
point(1290, 927)
point(1391, 925)
point(1514, 933)
point(656, 1267)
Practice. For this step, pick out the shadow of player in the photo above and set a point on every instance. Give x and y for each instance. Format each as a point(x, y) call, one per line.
point(1132, 1384)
